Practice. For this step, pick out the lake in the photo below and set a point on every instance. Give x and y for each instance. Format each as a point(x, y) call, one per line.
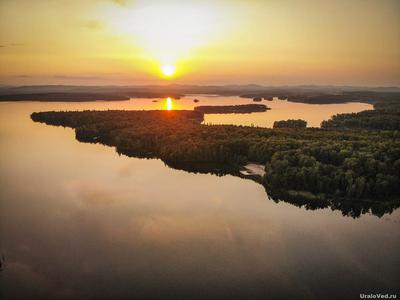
point(78, 221)
point(314, 114)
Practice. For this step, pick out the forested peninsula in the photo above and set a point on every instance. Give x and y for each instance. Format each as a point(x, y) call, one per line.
point(353, 170)
point(231, 109)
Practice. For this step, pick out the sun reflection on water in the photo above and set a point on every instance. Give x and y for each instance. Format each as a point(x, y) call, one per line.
point(169, 103)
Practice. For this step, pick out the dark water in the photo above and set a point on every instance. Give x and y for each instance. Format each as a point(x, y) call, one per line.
point(77, 221)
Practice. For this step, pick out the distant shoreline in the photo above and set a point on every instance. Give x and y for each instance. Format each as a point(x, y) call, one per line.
point(302, 94)
point(61, 97)
point(74, 97)
point(309, 99)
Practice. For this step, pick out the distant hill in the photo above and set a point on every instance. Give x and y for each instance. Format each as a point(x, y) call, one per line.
point(305, 93)
point(75, 97)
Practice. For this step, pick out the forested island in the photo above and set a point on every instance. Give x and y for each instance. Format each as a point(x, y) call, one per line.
point(231, 109)
point(355, 171)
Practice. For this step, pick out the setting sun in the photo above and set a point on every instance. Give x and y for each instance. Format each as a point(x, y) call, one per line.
point(168, 70)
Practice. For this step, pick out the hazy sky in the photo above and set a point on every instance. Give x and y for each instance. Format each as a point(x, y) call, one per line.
point(205, 42)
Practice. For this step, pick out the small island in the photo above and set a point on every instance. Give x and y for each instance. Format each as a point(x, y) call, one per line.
point(231, 109)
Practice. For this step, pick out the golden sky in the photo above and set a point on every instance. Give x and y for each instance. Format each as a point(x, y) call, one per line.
point(268, 42)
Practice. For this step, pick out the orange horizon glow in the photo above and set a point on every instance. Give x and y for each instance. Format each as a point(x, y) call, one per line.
point(126, 42)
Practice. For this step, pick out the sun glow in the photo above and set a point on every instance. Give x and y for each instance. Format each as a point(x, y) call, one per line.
point(168, 70)
point(166, 34)
point(169, 103)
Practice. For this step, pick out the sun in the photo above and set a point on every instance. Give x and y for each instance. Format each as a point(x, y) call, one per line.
point(168, 70)
point(166, 35)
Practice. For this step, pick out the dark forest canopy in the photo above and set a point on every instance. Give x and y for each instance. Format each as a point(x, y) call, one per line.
point(290, 124)
point(385, 116)
point(327, 97)
point(228, 109)
point(353, 171)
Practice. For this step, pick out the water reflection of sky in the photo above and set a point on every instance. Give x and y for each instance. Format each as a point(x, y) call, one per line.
point(77, 220)
point(280, 109)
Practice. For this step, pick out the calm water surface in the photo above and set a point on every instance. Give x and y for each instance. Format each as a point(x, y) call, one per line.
point(280, 109)
point(77, 221)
